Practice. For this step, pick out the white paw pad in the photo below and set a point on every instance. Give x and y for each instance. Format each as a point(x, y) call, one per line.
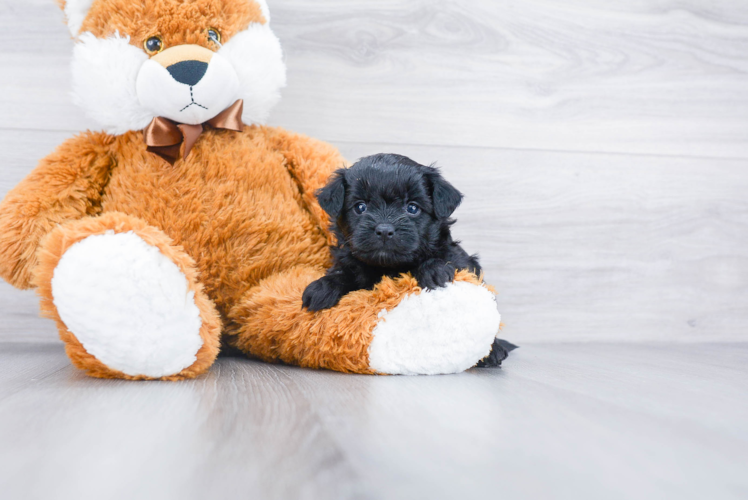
point(128, 305)
point(447, 330)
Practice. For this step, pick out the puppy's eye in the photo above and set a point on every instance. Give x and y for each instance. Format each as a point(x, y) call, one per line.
point(413, 209)
point(360, 207)
point(214, 36)
point(153, 45)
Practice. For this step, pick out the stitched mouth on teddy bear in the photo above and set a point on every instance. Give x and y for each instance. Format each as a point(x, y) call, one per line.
point(192, 103)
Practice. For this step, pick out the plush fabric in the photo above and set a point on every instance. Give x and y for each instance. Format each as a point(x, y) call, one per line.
point(435, 319)
point(128, 304)
point(146, 267)
point(48, 272)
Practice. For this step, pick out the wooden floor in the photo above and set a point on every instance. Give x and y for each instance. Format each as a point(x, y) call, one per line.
point(603, 150)
point(558, 421)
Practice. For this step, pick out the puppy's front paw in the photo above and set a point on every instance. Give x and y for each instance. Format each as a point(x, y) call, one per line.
point(321, 294)
point(435, 273)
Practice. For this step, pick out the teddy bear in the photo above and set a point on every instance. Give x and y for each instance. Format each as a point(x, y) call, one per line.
point(185, 224)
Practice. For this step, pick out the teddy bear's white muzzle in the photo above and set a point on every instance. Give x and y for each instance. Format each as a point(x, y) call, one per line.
point(188, 91)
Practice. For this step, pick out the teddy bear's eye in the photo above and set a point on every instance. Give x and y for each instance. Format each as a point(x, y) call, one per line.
point(154, 45)
point(214, 36)
point(413, 209)
point(360, 207)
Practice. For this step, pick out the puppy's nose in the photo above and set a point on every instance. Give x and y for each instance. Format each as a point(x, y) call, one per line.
point(385, 231)
point(188, 72)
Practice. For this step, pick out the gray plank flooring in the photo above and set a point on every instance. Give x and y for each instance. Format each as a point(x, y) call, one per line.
point(602, 147)
point(559, 421)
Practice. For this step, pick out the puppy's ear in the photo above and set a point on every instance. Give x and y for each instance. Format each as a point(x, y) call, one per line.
point(445, 197)
point(332, 196)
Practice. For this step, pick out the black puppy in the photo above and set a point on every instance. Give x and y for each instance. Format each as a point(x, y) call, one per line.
point(390, 216)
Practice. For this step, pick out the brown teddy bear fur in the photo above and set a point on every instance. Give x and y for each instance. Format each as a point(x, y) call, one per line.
point(175, 21)
point(238, 216)
point(331, 338)
point(241, 205)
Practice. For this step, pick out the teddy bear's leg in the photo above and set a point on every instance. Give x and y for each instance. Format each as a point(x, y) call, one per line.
point(126, 301)
point(394, 329)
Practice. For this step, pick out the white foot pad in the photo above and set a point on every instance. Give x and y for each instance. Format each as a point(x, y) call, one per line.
point(128, 304)
point(447, 330)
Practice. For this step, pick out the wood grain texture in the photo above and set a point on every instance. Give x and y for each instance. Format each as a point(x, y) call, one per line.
point(669, 77)
point(573, 421)
point(666, 78)
point(594, 246)
point(19, 310)
point(231, 434)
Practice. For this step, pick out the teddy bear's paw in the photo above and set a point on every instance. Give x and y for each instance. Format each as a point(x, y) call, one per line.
point(446, 330)
point(128, 305)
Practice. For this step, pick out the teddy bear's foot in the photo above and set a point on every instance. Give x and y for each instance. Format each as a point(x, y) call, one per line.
point(446, 330)
point(131, 309)
point(396, 328)
point(128, 305)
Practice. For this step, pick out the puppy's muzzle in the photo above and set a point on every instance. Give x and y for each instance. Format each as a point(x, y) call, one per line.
point(187, 64)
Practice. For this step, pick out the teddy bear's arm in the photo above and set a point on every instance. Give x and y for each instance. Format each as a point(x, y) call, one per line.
point(66, 185)
point(310, 162)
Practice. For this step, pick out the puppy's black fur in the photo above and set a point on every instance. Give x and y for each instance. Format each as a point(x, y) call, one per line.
point(499, 352)
point(391, 216)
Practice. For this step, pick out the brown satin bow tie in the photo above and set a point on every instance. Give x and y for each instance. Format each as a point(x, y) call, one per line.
point(164, 137)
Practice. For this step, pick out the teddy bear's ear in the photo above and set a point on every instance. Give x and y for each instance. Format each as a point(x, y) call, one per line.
point(75, 12)
point(264, 7)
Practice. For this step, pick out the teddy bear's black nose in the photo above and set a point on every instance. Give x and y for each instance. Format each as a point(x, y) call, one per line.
point(188, 72)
